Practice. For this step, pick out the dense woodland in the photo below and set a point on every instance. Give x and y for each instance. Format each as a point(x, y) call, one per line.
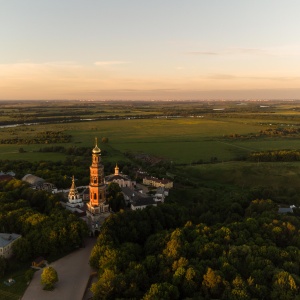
point(47, 229)
point(76, 163)
point(275, 155)
point(158, 253)
point(217, 245)
point(290, 132)
point(46, 137)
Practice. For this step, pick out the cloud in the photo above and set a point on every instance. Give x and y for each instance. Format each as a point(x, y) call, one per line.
point(111, 62)
point(29, 64)
point(233, 77)
point(285, 50)
point(27, 69)
point(203, 53)
point(222, 76)
point(231, 51)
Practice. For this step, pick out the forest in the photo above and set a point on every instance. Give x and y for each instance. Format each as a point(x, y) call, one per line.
point(275, 155)
point(159, 253)
point(47, 229)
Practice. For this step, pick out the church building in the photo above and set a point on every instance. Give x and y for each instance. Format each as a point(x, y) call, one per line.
point(121, 179)
point(74, 199)
point(97, 207)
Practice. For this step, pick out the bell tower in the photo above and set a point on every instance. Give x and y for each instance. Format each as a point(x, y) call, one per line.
point(97, 187)
point(97, 205)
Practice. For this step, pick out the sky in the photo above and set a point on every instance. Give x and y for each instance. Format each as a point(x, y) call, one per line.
point(149, 50)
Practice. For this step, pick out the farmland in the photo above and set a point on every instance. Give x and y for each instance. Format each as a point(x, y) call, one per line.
point(187, 135)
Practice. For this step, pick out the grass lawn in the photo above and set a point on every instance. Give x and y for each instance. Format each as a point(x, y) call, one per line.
point(15, 291)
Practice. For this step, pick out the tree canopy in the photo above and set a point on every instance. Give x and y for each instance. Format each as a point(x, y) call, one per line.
point(157, 253)
point(46, 227)
point(48, 278)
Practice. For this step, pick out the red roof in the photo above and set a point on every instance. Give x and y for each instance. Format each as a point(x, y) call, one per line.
point(5, 177)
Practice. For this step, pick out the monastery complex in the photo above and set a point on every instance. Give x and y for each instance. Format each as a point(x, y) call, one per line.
point(92, 204)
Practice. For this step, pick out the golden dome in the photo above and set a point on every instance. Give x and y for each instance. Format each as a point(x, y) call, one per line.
point(96, 150)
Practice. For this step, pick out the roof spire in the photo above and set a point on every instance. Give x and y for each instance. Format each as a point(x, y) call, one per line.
point(73, 193)
point(96, 149)
point(73, 183)
point(116, 170)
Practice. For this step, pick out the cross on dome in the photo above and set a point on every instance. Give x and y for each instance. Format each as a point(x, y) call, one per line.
point(96, 150)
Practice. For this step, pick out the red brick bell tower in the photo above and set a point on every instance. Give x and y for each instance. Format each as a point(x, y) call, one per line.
point(97, 205)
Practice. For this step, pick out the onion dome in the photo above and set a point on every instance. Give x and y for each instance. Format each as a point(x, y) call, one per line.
point(96, 150)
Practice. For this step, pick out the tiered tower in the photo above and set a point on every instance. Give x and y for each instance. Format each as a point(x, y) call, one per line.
point(74, 197)
point(97, 206)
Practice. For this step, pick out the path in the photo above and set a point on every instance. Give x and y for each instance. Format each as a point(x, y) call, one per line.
point(73, 274)
point(229, 144)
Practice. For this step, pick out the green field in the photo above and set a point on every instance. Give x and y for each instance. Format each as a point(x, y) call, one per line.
point(182, 140)
point(247, 174)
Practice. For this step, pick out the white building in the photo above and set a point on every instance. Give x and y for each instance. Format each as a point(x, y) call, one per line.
point(160, 195)
point(74, 199)
point(6, 242)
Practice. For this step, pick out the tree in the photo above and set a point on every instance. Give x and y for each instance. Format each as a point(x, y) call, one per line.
point(105, 287)
point(22, 249)
point(125, 170)
point(29, 275)
point(284, 286)
point(163, 290)
point(113, 189)
point(3, 266)
point(49, 278)
point(212, 283)
point(115, 197)
point(104, 140)
point(239, 290)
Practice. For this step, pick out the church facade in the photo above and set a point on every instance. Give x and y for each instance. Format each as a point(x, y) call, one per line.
point(121, 179)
